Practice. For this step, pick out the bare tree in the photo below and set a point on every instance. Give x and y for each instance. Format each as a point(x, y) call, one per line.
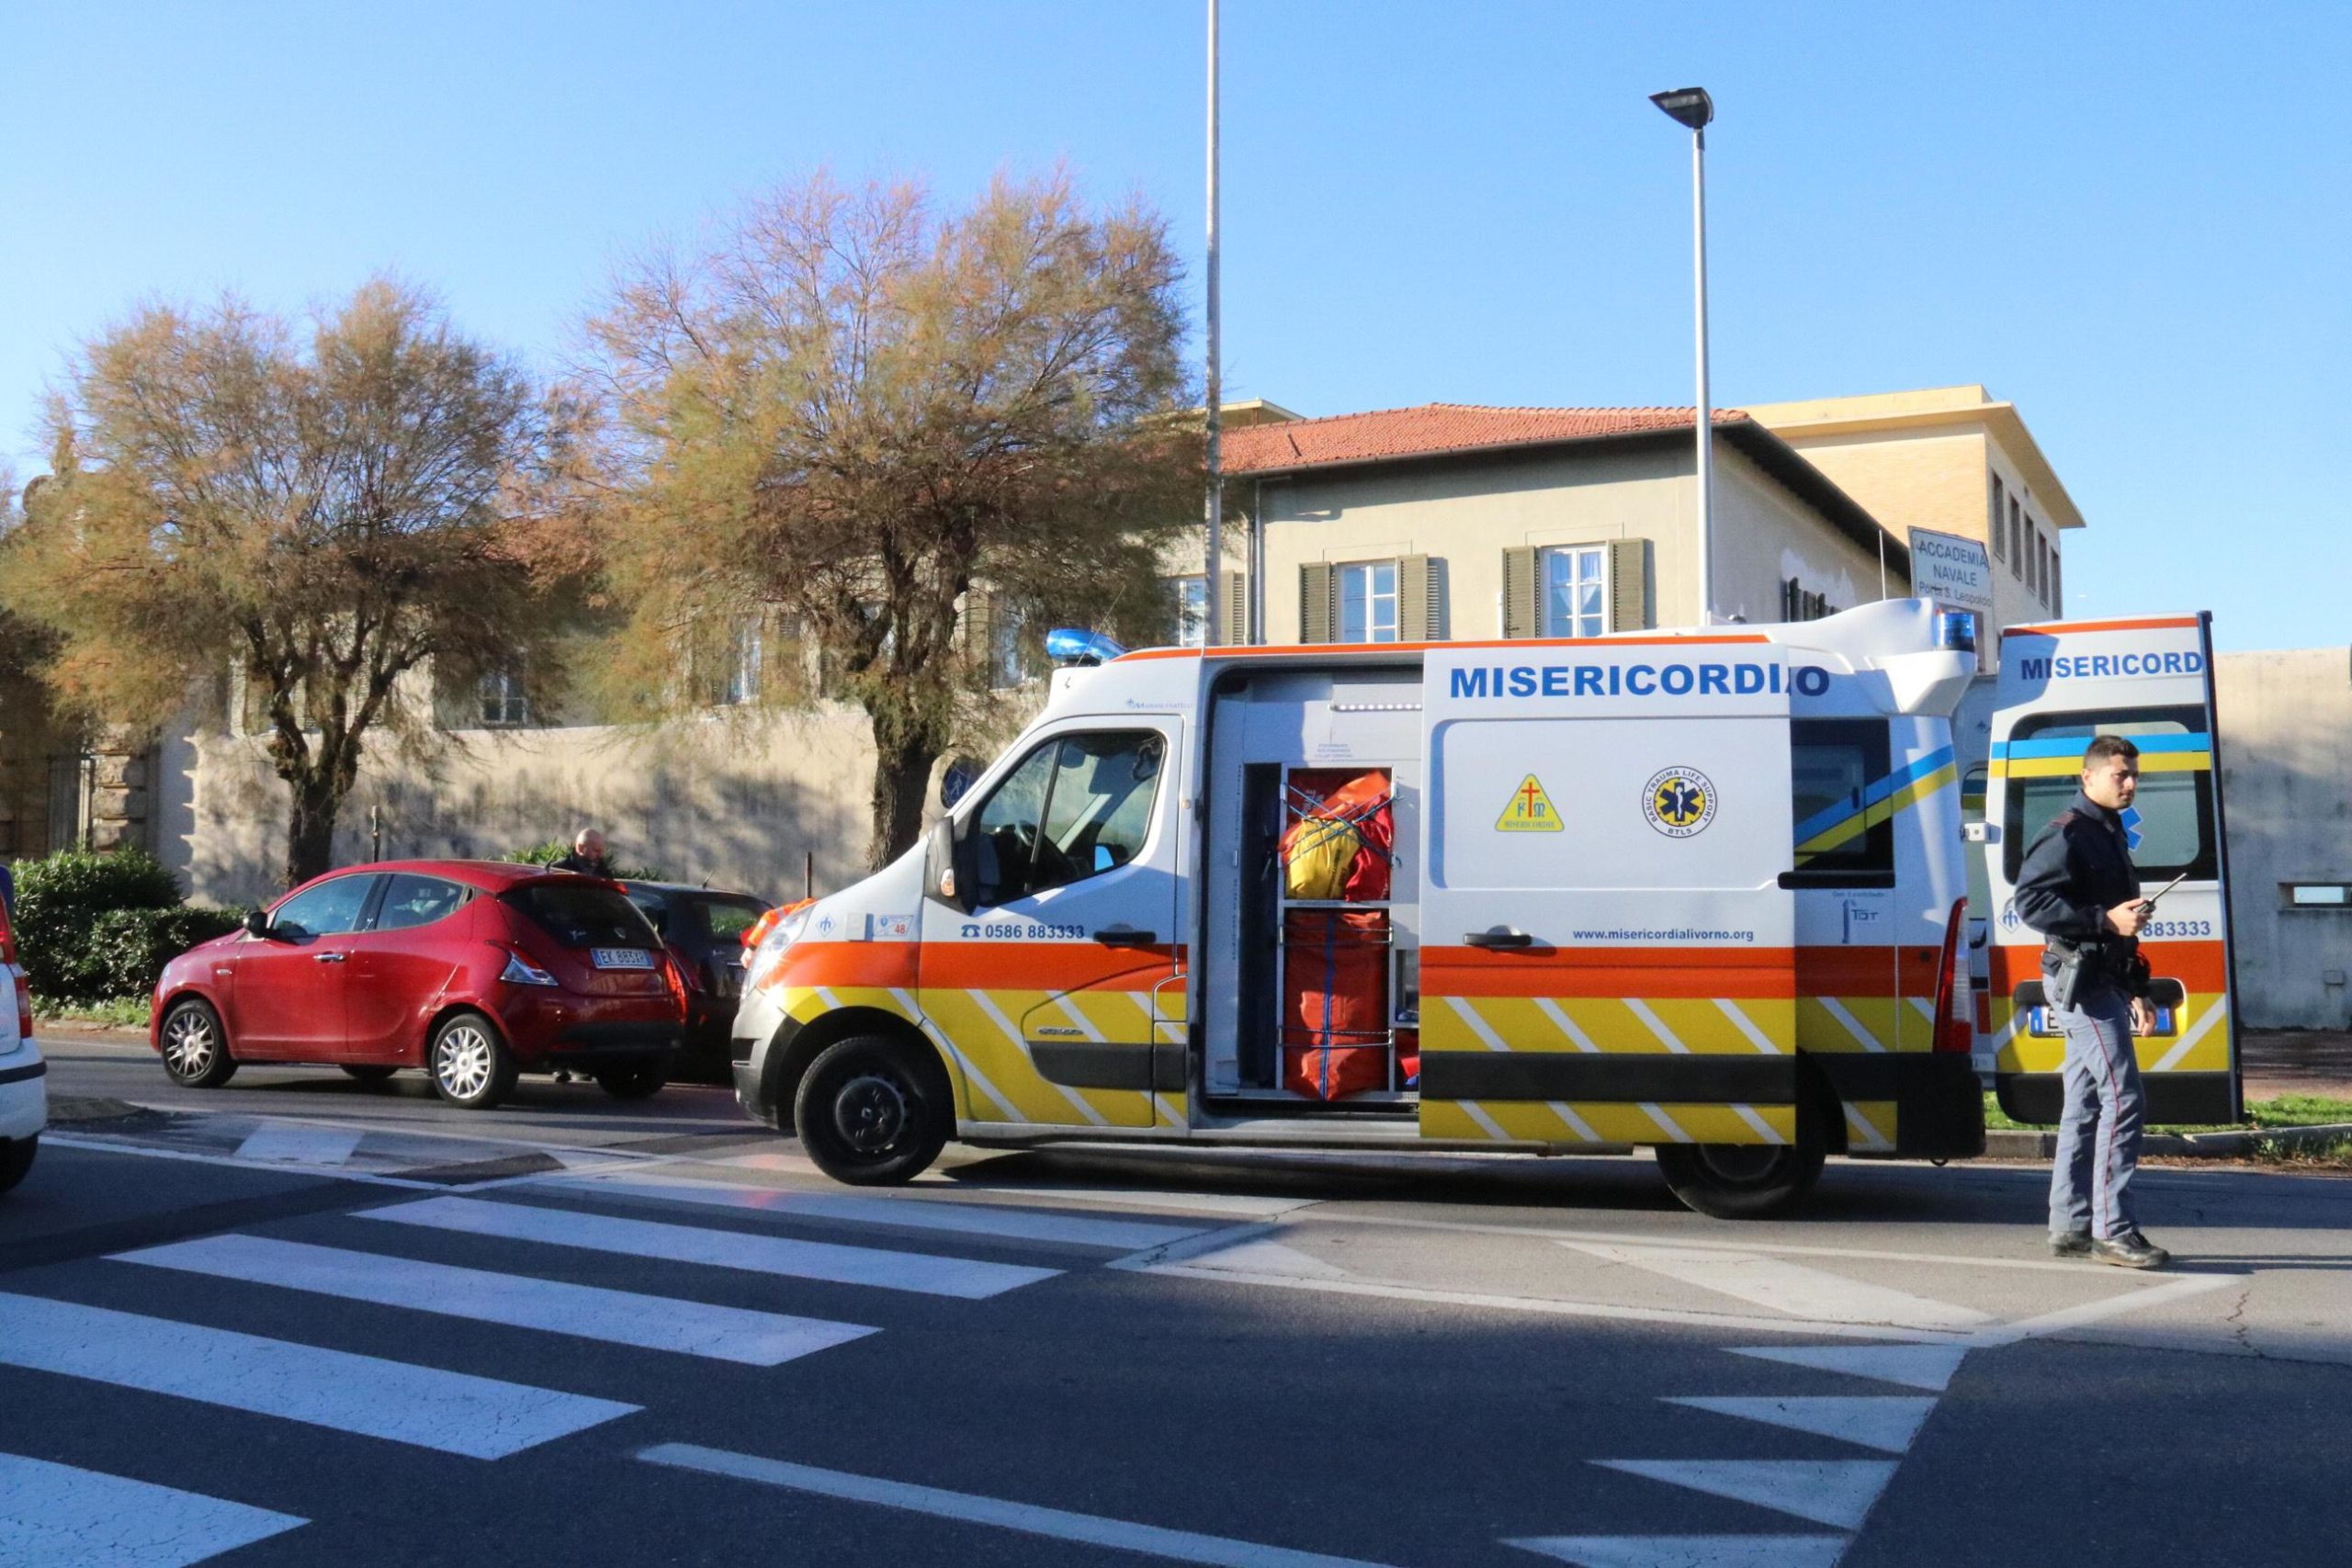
point(323, 515)
point(851, 408)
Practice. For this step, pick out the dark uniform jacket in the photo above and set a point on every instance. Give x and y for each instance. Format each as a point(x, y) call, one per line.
point(2077, 869)
point(574, 861)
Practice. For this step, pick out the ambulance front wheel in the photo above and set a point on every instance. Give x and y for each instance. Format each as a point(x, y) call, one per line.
point(874, 1110)
point(1741, 1181)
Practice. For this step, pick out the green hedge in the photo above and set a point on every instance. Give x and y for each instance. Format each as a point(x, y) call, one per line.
point(96, 928)
point(555, 850)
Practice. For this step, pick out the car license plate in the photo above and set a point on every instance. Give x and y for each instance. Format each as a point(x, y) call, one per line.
point(621, 958)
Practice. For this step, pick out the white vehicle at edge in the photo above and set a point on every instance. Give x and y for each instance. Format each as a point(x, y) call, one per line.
point(24, 1091)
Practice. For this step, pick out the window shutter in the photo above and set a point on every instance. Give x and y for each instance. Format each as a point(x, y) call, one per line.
point(1629, 585)
point(979, 635)
point(1233, 588)
point(1523, 592)
point(1421, 599)
point(1316, 585)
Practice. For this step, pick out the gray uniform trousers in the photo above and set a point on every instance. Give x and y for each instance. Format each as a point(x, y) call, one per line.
point(2098, 1137)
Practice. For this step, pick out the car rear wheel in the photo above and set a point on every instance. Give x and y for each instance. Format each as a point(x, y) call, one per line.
point(874, 1110)
point(1741, 1181)
point(196, 1050)
point(15, 1160)
point(470, 1065)
point(369, 1074)
point(635, 1080)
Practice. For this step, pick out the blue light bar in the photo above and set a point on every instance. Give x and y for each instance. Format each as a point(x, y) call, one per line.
point(1076, 644)
point(1957, 629)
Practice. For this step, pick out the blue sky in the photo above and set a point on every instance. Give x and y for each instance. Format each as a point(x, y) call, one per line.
point(2133, 220)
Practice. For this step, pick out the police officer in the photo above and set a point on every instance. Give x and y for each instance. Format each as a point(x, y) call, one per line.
point(2078, 888)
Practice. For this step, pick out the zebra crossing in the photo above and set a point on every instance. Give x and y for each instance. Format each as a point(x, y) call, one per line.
point(59, 1516)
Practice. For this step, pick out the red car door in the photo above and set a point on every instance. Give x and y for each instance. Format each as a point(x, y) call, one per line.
point(409, 950)
point(287, 1002)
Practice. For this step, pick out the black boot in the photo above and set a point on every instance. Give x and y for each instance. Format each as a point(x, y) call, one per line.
point(2130, 1250)
point(2070, 1244)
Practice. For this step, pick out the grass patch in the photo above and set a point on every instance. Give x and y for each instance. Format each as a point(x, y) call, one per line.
point(127, 1011)
point(2286, 1110)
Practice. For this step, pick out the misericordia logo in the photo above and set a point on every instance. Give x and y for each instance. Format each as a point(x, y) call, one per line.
point(1680, 802)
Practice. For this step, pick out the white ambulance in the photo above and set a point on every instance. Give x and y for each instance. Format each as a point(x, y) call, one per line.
point(24, 1096)
point(1698, 891)
point(2021, 733)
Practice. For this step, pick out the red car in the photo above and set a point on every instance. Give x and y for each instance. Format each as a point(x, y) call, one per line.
point(473, 970)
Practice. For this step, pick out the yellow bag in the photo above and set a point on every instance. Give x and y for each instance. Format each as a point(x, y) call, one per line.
point(1316, 853)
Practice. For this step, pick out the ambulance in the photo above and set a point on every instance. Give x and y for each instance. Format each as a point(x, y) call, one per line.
point(2021, 731)
point(1704, 892)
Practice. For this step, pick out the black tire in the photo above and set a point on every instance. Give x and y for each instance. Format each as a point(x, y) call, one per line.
point(369, 1073)
point(196, 1048)
point(1742, 1182)
point(640, 1080)
point(874, 1110)
point(15, 1160)
point(469, 1063)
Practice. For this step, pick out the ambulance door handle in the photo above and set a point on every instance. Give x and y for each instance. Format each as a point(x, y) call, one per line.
point(1498, 936)
point(1120, 936)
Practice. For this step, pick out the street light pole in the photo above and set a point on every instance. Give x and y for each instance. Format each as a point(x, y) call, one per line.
point(1213, 631)
point(1690, 107)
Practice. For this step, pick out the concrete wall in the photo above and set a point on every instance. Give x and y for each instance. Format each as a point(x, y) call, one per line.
point(1467, 511)
point(735, 799)
point(2285, 723)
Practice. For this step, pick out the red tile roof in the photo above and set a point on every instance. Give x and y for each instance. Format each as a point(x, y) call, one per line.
point(1434, 428)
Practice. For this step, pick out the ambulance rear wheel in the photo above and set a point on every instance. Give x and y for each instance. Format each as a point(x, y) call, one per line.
point(874, 1110)
point(1742, 1182)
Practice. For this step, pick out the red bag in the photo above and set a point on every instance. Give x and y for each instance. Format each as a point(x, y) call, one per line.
point(1335, 1001)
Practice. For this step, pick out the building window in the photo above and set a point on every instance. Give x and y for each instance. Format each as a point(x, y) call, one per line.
point(2057, 600)
point(739, 665)
point(1368, 601)
point(1192, 610)
point(2315, 894)
point(2016, 540)
point(2000, 538)
point(2042, 566)
point(1576, 590)
point(503, 701)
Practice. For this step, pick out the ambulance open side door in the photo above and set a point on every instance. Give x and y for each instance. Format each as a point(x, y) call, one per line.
point(2150, 681)
point(1607, 948)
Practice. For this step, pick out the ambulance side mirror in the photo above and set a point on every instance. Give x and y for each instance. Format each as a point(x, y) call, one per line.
point(948, 877)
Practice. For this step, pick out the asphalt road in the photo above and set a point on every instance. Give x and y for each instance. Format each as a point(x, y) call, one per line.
point(297, 1321)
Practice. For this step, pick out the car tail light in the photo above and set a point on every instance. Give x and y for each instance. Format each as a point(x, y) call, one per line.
point(521, 971)
point(689, 971)
point(1955, 1028)
point(676, 981)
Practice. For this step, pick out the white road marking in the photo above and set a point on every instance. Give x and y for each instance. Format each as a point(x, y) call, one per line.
point(1690, 1551)
point(618, 1317)
point(1914, 1366)
point(915, 1271)
point(1788, 1287)
point(53, 1516)
point(1259, 1255)
point(1203, 1203)
point(1885, 1422)
point(906, 1214)
point(1541, 1306)
point(1149, 1540)
point(453, 1412)
point(2087, 1313)
point(293, 1144)
point(1837, 1492)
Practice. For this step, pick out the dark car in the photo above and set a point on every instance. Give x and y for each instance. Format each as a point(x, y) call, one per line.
point(704, 931)
point(473, 970)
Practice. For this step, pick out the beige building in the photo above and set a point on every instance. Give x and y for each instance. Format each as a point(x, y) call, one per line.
point(1955, 460)
point(1451, 520)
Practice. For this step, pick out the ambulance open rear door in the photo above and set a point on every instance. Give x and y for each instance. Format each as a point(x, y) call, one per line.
point(1608, 950)
point(2150, 681)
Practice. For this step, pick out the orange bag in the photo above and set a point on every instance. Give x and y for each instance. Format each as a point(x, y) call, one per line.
point(1340, 848)
point(1335, 1001)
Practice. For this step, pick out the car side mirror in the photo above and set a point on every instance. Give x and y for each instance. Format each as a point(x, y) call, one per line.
point(947, 875)
point(256, 923)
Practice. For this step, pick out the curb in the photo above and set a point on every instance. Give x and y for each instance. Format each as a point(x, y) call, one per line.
point(2231, 1144)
